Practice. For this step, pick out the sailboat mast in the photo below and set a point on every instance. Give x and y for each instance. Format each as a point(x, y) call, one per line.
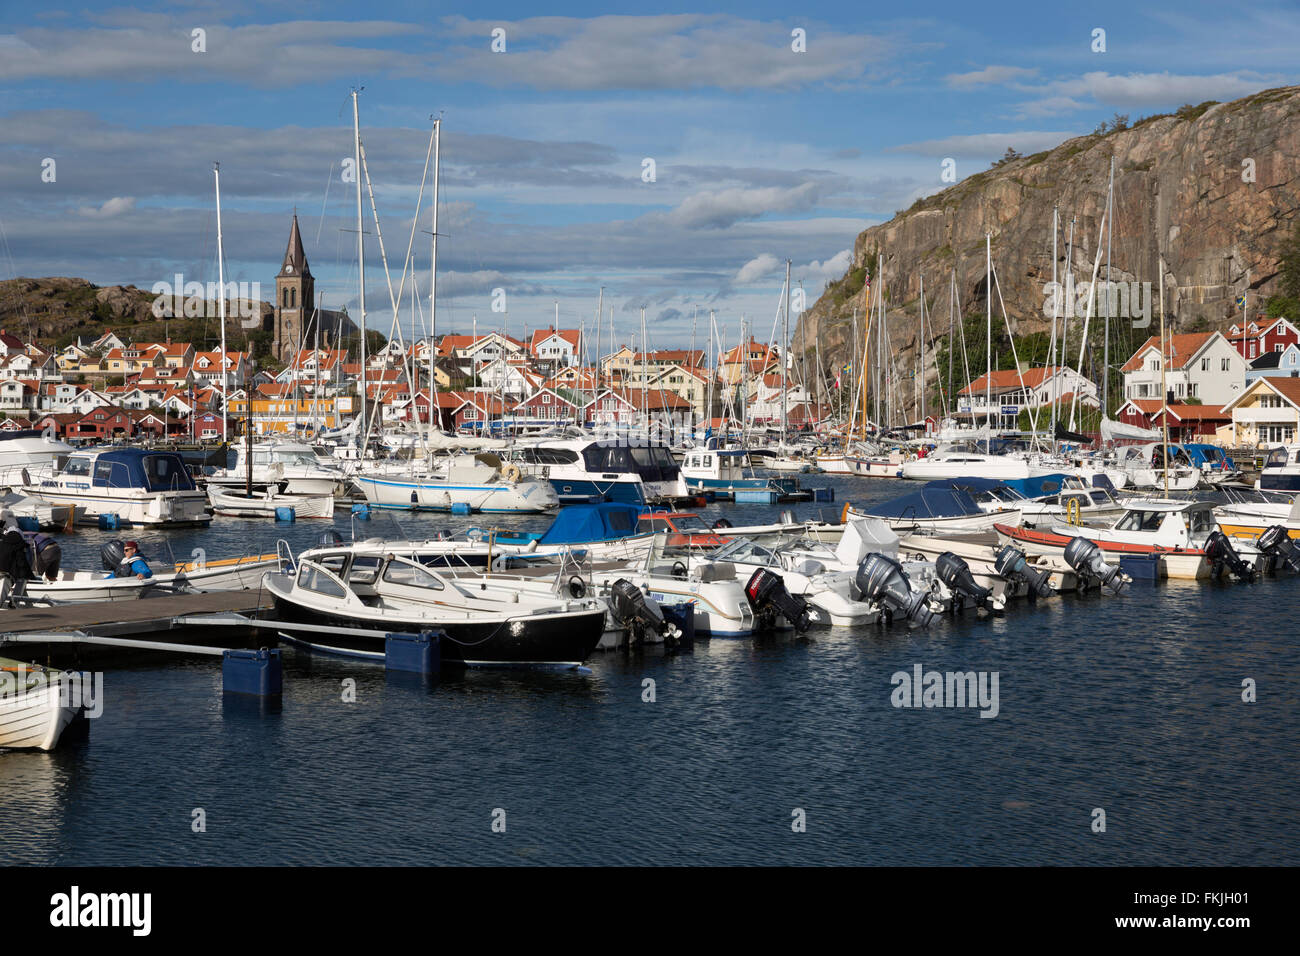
point(1105, 351)
point(1164, 393)
point(434, 418)
point(363, 430)
point(221, 306)
point(785, 345)
point(988, 342)
point(1056, 299)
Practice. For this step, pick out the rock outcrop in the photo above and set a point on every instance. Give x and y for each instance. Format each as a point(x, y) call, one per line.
point(1213, 188)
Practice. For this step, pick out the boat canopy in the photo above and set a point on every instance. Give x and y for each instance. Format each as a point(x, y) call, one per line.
point(139, 468)
point(928, 503)
point(1039, 486)
point(584, 524)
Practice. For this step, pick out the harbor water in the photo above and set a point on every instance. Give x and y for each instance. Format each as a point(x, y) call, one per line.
point(769, 751)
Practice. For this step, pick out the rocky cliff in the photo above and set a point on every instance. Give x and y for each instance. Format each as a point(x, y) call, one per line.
point(1213, 188)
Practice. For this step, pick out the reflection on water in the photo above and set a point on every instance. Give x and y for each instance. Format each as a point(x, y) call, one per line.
point(1132, 704)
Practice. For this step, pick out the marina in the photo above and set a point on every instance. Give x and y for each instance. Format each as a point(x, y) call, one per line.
point(724, 438)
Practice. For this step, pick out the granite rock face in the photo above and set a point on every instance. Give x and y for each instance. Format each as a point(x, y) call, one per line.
point(1215, 189)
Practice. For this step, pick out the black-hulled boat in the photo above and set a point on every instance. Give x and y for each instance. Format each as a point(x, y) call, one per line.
point(485, 622)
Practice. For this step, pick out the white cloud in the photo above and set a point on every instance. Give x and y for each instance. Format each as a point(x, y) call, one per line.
point(757, 268)
point(113, 207)
point(726, 207)
point(990, 75)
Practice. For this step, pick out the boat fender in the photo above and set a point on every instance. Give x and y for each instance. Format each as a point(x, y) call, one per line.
point(577, 587)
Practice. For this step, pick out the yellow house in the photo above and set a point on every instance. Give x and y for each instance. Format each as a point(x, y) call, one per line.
point(1267, 413)
point(278, 415)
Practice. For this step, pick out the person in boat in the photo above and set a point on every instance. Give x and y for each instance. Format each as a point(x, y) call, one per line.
point(132, 563)
point(45, 555)
point(14, 570)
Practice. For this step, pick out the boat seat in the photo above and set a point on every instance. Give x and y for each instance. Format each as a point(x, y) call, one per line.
point(716, 571)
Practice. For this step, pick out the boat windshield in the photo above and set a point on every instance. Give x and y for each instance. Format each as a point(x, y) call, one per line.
point(1276, 458)
point(1201, 521)
point(1141, 521)
point(411, 575)
point(295, 456)
point(744, 551)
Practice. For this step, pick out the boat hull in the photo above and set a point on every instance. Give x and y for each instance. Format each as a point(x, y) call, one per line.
point(552, 639)
point(34, 719)
point(1185, 564)
point(530, 496)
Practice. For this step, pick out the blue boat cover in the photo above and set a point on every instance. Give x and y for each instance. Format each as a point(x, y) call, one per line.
point(140, 468)
point(583, 524)
point(927, 503)
point(971, 484)
point(1039, 486)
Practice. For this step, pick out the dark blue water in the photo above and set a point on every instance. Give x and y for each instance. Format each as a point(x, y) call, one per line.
point(1130, 704)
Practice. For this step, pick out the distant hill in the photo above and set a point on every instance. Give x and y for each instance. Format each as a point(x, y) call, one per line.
point(55, 311)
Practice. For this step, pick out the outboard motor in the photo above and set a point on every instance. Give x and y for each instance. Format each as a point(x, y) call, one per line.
point(955, 572)
point(882, 579)
point(329, 539)
point(1011, 564)
point(768, 596)
point(1277, 544)
point(1220, 553)
point(111, 555)
point(638, 615)
point(721, 523)
point(1089, 563)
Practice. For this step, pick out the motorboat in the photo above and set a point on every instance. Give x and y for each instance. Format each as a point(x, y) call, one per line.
point(473, 483)
point(1062, 497)
point(1281, 471)
point(139, 486)
point(936, 510)
point(46, 515)
point(285, 467)
point(722, 471)
point(1146, 468)
point(1178, 532)
point(267, 504)
point(29, 450)
point(36, 705)
point(583, 470)
point(1242, 518)
point(88, 586)
point(485, 621)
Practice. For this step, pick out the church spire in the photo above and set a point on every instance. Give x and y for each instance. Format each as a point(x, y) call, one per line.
point(295, 259)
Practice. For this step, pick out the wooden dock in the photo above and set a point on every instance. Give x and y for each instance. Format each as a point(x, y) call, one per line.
point(137, 618)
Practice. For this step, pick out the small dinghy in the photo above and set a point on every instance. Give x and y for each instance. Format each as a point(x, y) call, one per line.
point(36, 705)
point(266, 504)
point(232, 574)
point(47, 515)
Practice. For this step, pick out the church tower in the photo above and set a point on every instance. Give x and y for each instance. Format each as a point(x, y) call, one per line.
point(295, 296)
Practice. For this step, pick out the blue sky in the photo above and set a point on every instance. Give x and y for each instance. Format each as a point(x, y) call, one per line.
point(761, 153)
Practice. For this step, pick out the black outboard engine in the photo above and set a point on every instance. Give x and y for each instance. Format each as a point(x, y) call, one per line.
point(768, 596)
point(111, 554)
point(1220, 553)
point(638, 615)
point(1276, 543)
point(955, 572)
point(721, 523)
point(882, 579)
point(1011, 564)
point(1089, 563)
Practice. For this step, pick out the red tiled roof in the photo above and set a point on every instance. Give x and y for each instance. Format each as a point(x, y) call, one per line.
point(1179, 349)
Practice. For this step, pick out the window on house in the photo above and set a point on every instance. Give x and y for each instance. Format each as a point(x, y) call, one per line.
point(1225, 364)
point(1205, 365)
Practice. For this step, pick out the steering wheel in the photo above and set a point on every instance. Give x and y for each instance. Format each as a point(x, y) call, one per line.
point(577, 587)
point(679, 569)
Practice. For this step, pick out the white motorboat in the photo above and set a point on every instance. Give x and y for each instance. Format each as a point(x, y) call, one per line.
point(1183, 534)
point(139, 486)
point(87, 586)
point(47, 515)
point(938, 510)
point(287, 467)
point(584, 469)
point(36, 705)
point(267, 504)
point(1281, 471)
point(29, 450)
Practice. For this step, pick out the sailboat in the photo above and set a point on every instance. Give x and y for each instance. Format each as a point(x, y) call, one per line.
point(460, 482)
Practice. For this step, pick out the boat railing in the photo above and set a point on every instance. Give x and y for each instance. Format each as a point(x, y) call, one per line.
point(284, 556)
